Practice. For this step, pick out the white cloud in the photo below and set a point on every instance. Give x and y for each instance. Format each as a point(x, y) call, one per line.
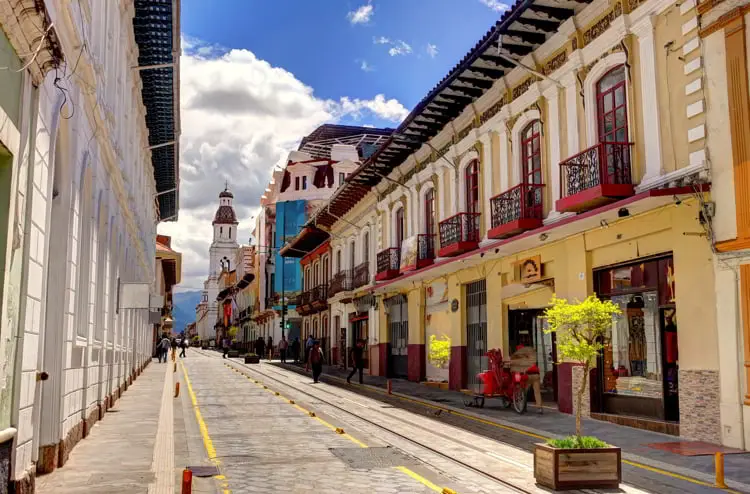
point(495, 5)
point(240, 117)
point(399, 47)
point(362, 15)
point(381, 40)
point(432, 50)
point(366, 67)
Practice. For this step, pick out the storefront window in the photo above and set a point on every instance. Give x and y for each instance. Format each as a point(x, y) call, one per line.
point(632, 359)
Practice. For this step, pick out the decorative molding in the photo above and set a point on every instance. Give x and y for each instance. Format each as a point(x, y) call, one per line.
point(722, 21)
point(695, 109)
point(523, 87)
point(598, 28)
point(555, 62)
point(694, 86)
point(491, 111)
point(675, 176)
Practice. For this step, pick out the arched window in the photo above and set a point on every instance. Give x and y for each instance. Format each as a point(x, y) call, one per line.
point(352, 251)
point(366, 247)
point(338, 260)
point(472, 187)
point(326, 269)
point(398, 229)
point(611, 106)
point(221, 231)
point(429, 212)
point(531, 153)
point(315, 328)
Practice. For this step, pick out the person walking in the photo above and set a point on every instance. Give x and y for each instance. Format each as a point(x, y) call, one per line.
point(308, 346)
point(358, 362)
point(225, 346)
point(295, 349)
point(174, 348)
point(164, 345)
point(524, 360)
point(283, 344)
point(260, 347)
point(270, 348)
point(183, 347)
point(316, 361)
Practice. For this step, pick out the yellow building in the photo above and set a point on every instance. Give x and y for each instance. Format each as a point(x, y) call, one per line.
point(565, 154)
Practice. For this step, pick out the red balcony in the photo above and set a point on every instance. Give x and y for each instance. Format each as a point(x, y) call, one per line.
point(361, 275)
point(594, 177)
point(425, 249)
point(389, 263)
point(459, 234)
point(516, 210)
point(319, 297)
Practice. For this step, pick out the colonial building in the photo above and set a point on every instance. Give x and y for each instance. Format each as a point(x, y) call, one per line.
point(88, 167)
point(322, 163)
point(168, 274)
point(312, 303)
point(565, 154)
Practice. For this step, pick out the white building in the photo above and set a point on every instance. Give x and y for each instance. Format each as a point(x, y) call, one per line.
point(88, 167)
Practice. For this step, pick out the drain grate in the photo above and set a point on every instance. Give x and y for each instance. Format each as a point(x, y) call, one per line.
point(369, 458)
point(204, 471)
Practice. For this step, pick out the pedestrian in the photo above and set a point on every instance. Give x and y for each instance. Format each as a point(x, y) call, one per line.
point(260, 347)
point(295, 349)
point(269, 348)
point(164, 345)
point(358, 361)
point(225, 346)
point(283, 344)
point(308, 346)
point(316, 361)
point(174, 348)
point(183, 346)
point(524, 360)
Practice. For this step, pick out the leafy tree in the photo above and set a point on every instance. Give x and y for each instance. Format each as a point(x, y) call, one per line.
point(581, 334)
point(440, 351)
point(232, 332)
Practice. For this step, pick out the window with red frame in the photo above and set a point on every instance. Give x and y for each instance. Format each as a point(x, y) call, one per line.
point(472, 187)
point(612, 110)
point(531, 153)
point(399, 227)
point(429, 212)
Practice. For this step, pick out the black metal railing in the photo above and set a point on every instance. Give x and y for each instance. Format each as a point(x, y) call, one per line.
point(425, 246)
point(604, 163)
point(389, 259)
point(524, 201)
point(461, 227)
point(361, 275)
point(319, 294)
point(340, 282)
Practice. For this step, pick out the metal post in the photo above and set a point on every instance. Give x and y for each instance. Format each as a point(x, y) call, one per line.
point(283, 285)
point(719, 463)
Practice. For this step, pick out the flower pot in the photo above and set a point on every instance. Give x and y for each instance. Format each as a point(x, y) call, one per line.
point(562, 469)
point(252, 359)
point(233, 353)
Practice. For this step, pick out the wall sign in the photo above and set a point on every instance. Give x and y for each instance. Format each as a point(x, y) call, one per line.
point(529, 269)
point(454, 305)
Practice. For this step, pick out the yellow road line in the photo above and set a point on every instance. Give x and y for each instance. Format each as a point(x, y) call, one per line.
point(207, 443)
point(356, 441)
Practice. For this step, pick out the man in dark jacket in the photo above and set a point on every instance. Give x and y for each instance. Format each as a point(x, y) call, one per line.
point(260, 347)
point(358, 361)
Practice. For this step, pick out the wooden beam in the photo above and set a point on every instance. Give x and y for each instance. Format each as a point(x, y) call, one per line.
point(457, 98)
point(558, 13)
point(486, 71)
point(468, 90)
point(499, 61)
point(520, 50)
point(540, 24)
point(527, 36)
point(480, 83)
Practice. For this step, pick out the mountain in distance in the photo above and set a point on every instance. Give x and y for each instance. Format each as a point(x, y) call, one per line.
point(183, 308)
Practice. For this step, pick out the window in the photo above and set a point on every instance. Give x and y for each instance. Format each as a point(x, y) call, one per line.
point(296, 183)
point(366, 247)
point(399, 228)
point(531, 153)
point(351, 255)
point(230, 232)
point(325, 270)
point(304, 183)
point(341, 177)
point(612, 107)
point(338, 260)
point(472, 187)
point(429, 212)
point(221, 231)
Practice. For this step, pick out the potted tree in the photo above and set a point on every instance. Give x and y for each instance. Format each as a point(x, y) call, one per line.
point(232, 335)
point(578, 461)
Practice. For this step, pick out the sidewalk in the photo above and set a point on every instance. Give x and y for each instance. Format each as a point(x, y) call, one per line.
point(634, 442)
point(130, 450)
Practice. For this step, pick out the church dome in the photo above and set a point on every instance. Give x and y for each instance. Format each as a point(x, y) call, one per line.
point(225, 215)
point(226, 193)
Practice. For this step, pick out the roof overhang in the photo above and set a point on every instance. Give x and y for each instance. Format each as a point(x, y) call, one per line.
point(306, 241)
point(564, 228)
point(156, 25)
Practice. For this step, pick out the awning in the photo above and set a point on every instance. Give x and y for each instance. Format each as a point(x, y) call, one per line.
point(305, 242)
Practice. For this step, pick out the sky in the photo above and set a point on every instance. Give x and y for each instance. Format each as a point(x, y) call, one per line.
point(258, 75)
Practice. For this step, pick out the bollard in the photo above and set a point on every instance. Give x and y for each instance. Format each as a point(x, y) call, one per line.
point(390, 389)
point(175, 367)
point(176, 390)
point(719, 462)
point(187, 481)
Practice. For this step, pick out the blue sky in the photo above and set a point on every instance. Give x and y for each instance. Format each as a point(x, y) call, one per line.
point(256, 76)
point(323, 46)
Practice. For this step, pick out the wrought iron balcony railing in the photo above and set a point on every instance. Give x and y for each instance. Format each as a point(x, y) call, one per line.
point(361, 275)
point(517, 209)
point(425, 249)
point(340, 282)
point(389, 262)
point(319, 295)
point(459, 233)
point(606, 163)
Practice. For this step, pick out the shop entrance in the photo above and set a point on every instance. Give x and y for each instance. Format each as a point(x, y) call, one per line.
point(639, 363)
point(360, 332)
point(476, 332)
point(398, 325)
point(526, 327)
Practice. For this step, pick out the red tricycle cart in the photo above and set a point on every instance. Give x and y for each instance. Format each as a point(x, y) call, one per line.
point(500, 382)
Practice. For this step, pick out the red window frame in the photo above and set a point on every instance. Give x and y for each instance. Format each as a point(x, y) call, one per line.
point(429, 212)
point(399, 227)
point(531, 153)
point(610, 95)
point(472, 187)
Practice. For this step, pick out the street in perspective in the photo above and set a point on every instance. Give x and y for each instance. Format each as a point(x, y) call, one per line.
point(371, 246)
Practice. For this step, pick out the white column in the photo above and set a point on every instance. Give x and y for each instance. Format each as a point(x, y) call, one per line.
point(644, 30)
point(453, 187)
point(553, 137)
point(503, 169)
point(571, 117)
point(488, 173)
point(441, 193)
point(415, 210)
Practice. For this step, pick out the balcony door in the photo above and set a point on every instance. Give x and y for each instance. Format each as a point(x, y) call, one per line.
point(612, 116)
point(399, 228)
point(531, 173)
point(472, 187)
point(429, 212)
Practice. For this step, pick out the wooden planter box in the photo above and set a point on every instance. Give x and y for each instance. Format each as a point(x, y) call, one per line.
point(562, 469)
point(252, 359)
point(233, 353)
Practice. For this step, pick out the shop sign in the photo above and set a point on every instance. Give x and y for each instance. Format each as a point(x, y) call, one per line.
point(529, 270)
point(408, 254)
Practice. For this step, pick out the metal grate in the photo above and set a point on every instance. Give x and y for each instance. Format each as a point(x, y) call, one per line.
point(476, 332)
point(370, 458)
point(398, 323)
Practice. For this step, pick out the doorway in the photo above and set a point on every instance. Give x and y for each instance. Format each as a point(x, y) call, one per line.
point(527, 327)
point(398, 325)
point(360, 332)
point(476, 332)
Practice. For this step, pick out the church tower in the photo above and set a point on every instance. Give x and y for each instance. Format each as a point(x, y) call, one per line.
point(224, 246)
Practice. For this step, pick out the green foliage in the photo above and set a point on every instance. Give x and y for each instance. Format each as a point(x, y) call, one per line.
point(232, 333)
point(439, 351)
point(581, 328)
point(196, 339)
point(578, 442)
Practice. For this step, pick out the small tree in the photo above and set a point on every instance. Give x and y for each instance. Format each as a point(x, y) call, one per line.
point(232, 333)
point(581, 334)
point(439, 351)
